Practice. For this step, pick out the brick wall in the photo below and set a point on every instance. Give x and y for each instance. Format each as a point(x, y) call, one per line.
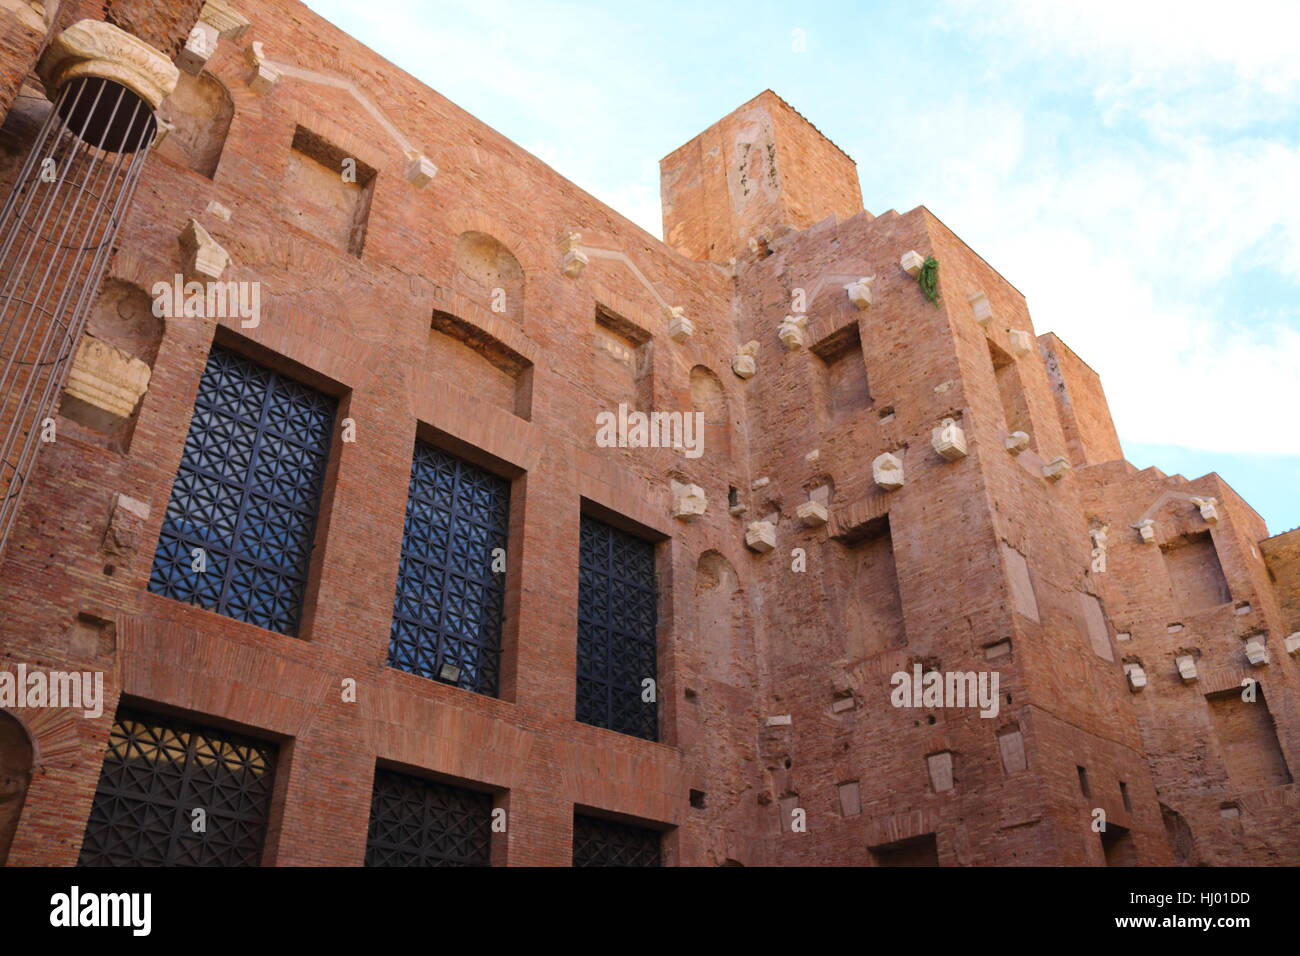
point(774, 669)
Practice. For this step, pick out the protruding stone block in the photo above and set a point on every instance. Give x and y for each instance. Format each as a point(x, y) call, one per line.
point(1256, 651)
point(1146, 529)
point(265, 75)
point(199, 47)
point(420, 169)
point(791, 330)
point(1186, 667)
point(1055, 469)
point(745, 363)
point(780, 720)
point(887, 471)
point(201, 256)
point(1016, 442)
point(1022, 342)
point(104, 385)
point(979, 304)
point(940, 767)
point(1137, 677)
point(220, 210)
point(912, 262)
point(760, 536)
point(1209, 508)
point(1291, 643)
point(229, 22)
point(573, 259)
point(860, 293)
point(949, 440)
point(689, 501)
point(680, 328)
point(812, 513)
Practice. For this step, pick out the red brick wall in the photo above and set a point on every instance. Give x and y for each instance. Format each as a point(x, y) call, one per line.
point(743, 637)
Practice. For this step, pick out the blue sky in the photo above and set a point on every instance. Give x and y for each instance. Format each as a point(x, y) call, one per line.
point(1132, 167)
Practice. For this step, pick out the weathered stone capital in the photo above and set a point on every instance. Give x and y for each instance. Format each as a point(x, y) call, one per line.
point(96, 48)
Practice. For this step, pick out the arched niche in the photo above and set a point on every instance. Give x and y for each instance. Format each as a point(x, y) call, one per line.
point(708, 396)
point(15, 776)
point(123, 319)
point(488, 273)
point(200, 110)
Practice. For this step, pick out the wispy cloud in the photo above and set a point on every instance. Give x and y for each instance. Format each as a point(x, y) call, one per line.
point(1133, 167)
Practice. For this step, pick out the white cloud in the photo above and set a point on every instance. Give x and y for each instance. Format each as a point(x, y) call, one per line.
point(1127, 248)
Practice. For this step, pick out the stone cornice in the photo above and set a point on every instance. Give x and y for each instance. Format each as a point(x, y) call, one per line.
point(96, 48)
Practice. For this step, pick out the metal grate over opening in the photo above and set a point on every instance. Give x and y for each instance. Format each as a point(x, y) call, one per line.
point(448, 610)
point(57, 229)
point(174, 793)
point(417, 822)
point(616, 631)
point(238, 532)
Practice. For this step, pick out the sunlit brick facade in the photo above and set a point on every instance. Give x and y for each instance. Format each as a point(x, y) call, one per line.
point(434, 621)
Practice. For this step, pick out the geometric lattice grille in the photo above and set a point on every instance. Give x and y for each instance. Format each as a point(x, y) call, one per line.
point(156, 773)
point(449, 604)
point(415, 822)
point(247, 493)
point(598, 842)
point(616, 630)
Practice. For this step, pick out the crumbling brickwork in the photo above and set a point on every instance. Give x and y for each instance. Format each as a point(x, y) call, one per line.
point(494, 310)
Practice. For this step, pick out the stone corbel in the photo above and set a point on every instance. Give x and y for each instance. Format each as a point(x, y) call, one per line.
point(680, 328)
point(201, 256)
point(574, 259)
point(265, 75)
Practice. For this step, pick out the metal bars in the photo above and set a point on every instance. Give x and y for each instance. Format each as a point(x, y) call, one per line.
point(57, 229)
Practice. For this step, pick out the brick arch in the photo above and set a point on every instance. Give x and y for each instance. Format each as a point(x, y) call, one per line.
point(709, 395)
point(17, 760)
point(531, 254)
point(488, 272)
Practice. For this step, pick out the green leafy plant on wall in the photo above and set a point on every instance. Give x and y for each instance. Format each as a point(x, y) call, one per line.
point(929, 279)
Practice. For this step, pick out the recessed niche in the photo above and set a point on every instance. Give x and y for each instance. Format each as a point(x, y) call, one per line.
point(122, 318)
point(842, 373)
point(480, 364)
point(917, 851)
point(1011, 393)
point(870, 603)
point(326, 192)
point(623, 356)
point(1195, 573)
point(200, 110)
point(708, 397)
point(488, 273)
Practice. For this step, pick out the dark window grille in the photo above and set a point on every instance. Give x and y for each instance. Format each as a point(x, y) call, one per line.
point(247, 492)
point(598, 842)
point(157, 772)
point(616, 630)
point(416, 822)
point(449, 605)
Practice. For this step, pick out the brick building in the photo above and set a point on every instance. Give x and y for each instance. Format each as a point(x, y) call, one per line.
point(364, 587)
